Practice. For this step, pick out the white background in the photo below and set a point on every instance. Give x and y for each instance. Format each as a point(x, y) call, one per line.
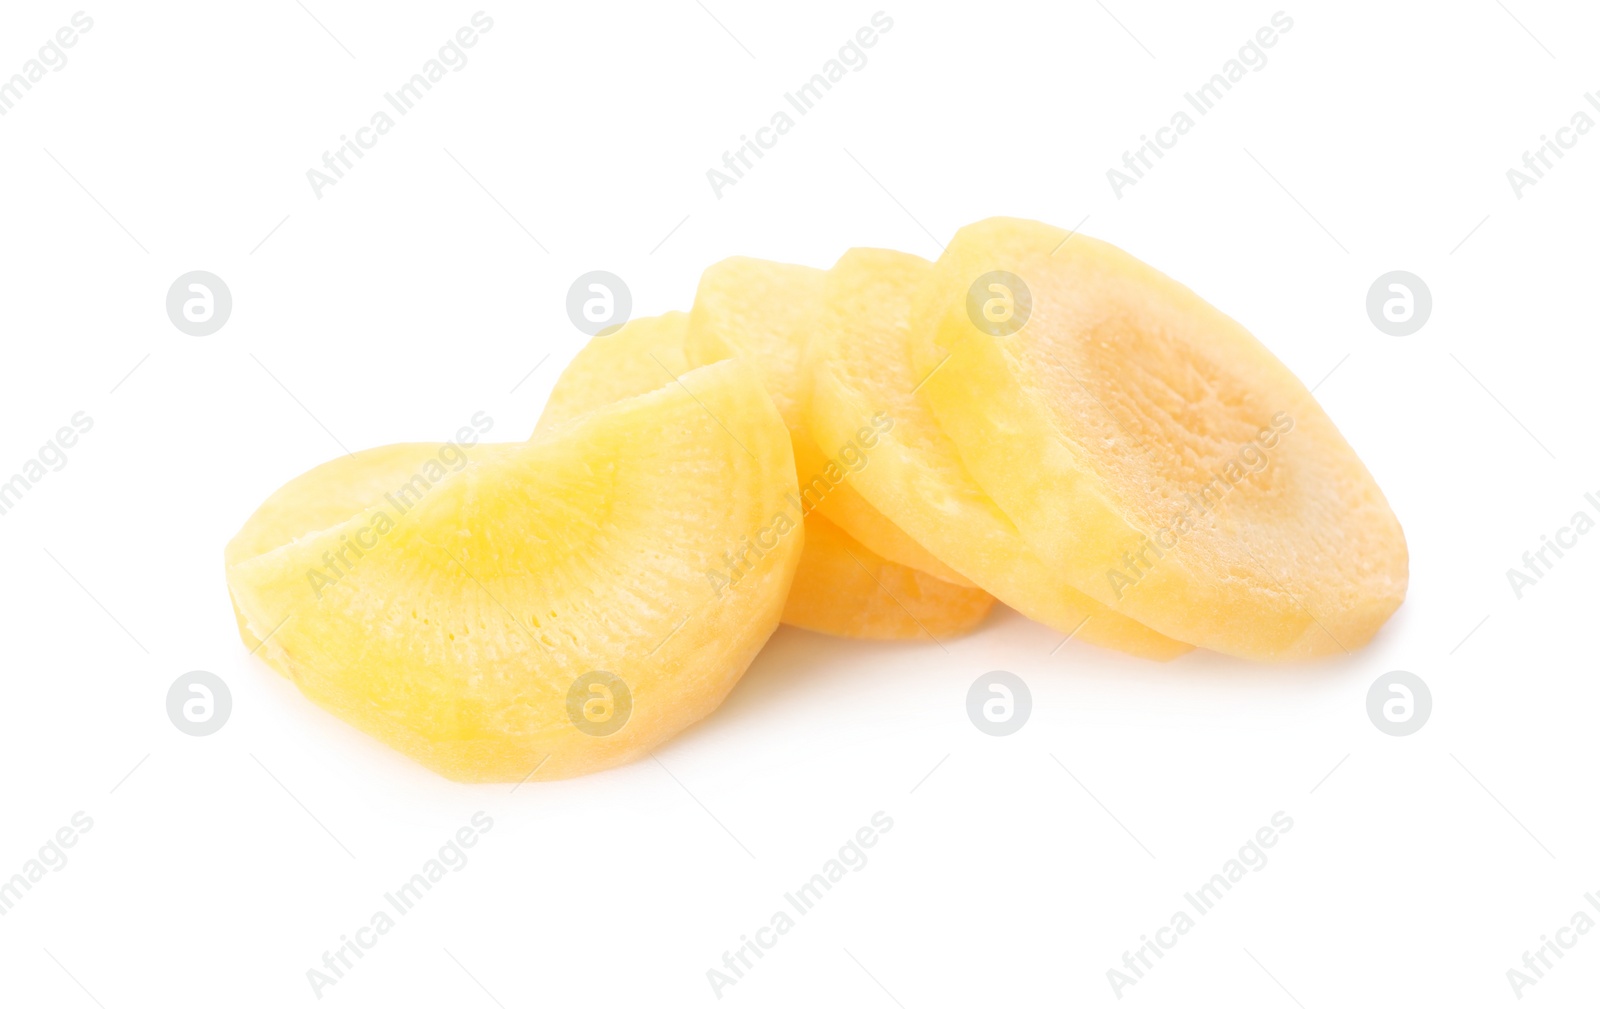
point(408, 297)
